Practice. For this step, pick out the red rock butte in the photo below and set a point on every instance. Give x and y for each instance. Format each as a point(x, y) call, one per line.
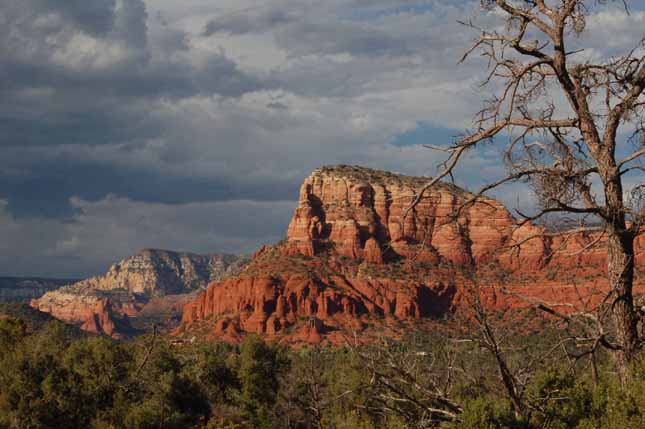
point(358, 262)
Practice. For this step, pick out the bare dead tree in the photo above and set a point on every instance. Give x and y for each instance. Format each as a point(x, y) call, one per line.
point(562, 112)
point(488, 339)
point(412, 384)
point(582, 336)
point(586, 325)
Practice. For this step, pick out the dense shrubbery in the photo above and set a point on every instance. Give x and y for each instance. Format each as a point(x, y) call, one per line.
point(50, 380)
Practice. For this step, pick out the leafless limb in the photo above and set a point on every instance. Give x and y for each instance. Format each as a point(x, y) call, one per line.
point(406, 383)
point(562, 150)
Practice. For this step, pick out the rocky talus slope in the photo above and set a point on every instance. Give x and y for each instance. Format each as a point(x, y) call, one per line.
point(356, 262)
point(151, 283)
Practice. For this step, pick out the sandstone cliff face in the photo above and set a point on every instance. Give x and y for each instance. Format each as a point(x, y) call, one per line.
point(66, 305)
point(359, 212)
point(138, 283)
point(154, 272)
point(364, 213)
point(315, 306)
point(356, 261)
point(102, 320)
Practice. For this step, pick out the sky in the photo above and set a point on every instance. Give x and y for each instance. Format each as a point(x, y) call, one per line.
point(189, 125)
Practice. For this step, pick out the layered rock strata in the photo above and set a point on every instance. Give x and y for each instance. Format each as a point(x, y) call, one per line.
point(315, 306)
point(138, 284)
point(154, 272)
point(360, 211)
point(358, 259)
point(365, 214)
point(102, 320)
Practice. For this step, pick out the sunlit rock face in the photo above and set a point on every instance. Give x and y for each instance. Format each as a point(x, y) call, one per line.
point(360, 212)
point(154, 272)
point(358, 259)
point(364, 213)
point(142, 282)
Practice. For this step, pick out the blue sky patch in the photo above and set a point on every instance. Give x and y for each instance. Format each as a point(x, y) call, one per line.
point(426, 133)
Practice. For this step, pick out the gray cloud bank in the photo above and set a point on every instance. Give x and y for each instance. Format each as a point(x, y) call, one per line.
point(190, 125)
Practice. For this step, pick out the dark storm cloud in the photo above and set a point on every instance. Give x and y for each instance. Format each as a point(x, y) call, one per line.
point(34, 29)
point(251, 20)
point(46, 190)
point(307, 38)
point(96, 17)
point(56, 120)
point(301, 34)
point(191, 124)
point(48, 100)
point(222, 76)
point(104, 231)
point(277, 105)
point(78, 73)
point(72, 71)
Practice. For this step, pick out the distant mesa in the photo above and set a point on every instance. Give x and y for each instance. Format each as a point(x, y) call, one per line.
point(358, 261)
point(149, 287)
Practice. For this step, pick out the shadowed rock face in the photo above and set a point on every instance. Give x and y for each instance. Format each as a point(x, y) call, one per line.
point(147, 279)
point(357, 260)
point(103, 320)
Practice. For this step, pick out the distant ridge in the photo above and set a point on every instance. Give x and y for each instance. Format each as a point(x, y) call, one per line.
point(24, 289)
point(155, 282)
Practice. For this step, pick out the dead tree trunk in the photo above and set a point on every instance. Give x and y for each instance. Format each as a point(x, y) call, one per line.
point(620, 271)
point(562, 112)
